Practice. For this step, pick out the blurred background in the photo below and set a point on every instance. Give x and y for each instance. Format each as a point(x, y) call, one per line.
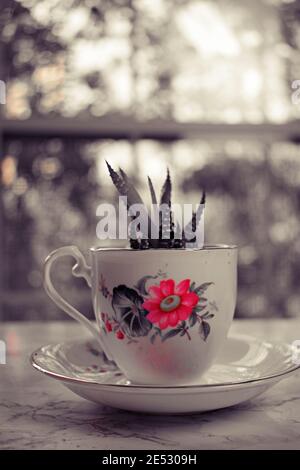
point(201, 86)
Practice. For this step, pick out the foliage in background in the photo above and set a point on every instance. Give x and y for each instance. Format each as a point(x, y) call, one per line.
point(181, 60)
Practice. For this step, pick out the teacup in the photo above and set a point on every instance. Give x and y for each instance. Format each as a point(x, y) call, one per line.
point(162, 315)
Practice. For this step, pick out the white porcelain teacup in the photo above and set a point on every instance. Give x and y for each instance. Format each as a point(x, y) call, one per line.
point(162, 315)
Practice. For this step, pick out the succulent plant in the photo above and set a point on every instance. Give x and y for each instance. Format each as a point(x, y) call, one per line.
point(169, 234)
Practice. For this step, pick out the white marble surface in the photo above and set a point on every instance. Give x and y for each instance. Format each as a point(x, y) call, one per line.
point(39, 413)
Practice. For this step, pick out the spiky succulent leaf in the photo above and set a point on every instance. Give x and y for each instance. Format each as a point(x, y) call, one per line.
point(165, 223)
point(191, 227)
point(123, 175)
point(166, 191)
point(203, 197)
point(153, 243)
point(117, 180)
point(177, 231)
point(126, 188)
point(152, 191)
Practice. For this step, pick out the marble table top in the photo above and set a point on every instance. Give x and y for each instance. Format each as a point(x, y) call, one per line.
point(39, 413)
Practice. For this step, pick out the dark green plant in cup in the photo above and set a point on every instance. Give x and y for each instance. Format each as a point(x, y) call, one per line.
point(170, 235)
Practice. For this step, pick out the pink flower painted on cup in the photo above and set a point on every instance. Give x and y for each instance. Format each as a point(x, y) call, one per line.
point(170, 304)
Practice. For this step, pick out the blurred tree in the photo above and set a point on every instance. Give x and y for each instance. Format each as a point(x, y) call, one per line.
point(25, 44)
point(181, 60)
point(261, 206)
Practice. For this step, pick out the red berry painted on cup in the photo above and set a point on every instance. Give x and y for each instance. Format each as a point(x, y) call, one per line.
point(120, 334)
point(108, 326)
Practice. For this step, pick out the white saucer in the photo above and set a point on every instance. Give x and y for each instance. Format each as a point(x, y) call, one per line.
point(245, 368)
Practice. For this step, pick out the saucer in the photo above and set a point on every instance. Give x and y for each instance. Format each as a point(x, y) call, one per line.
point(245, 368)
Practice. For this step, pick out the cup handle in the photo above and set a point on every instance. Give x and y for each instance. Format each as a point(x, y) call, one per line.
point(80, 269)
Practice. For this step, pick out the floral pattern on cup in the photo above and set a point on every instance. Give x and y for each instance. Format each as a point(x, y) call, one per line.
point(169, 304)
point(164, 310)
